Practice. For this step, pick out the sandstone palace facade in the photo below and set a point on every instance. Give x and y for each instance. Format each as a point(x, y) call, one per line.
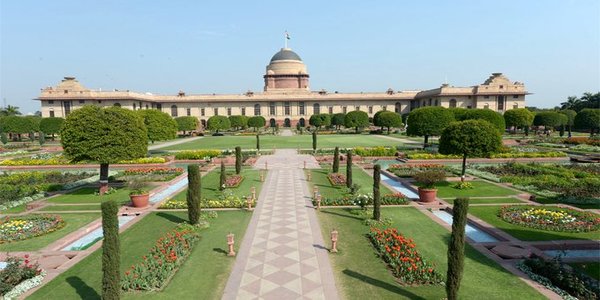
point(287, 98)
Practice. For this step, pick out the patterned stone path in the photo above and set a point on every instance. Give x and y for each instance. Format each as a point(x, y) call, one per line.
point(283, 255)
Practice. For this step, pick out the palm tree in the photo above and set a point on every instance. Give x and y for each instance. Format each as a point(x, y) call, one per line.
point(10, 111)
point(571, 103)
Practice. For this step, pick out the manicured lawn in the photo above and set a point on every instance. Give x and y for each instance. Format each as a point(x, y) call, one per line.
point(590, 268)
point(210, 184)
point(544, 200)
point(54, 208)
point(480, 189)
point(203, 275)
point(73, 222)
point(280, 142)
point(15, 210)
point(364, 180)
point(360, 274)
point(490, 200)
point(86, 195)
point(488, 214)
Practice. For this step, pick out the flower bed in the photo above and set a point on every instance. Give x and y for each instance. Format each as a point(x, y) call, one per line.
point(363, 200)
point(402, 257)
point(582, 140)
point(19, 228)
point(565, 282)
point(197, 154)
point(144, 160)
point(408, 170)
point(18, 276)
point(225, 201)
point(153, 174)
point(52, 159)
point(233, 181)
point(336, 179)
point(163, 260)
point(528, 154)
point(553, 219)
point(375, 151)
point(431, 156)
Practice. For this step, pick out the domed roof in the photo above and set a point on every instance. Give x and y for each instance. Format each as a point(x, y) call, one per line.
point(285, 54)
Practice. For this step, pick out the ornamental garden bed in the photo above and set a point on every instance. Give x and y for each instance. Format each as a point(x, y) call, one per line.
point(359, 177)
point(489, 214)
point(362, 276)
point(401, 256)
point(479, 188)
point(408, 170)
point(363, 200)
point(50, 159)
point(20, 228)
point(18, 276)
point(208, 281)
point(550, 218)
point(233, 181)
point(150, 174)
point(336, 179)
point(567, 183)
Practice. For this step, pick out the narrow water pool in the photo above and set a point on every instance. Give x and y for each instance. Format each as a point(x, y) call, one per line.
point(574, 253)
point(471, 231)
point(399, 187)
point(89, 239)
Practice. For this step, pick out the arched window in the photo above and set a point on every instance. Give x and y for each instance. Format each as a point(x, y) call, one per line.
point(173, 110)
point(397, 108)
point(117, 104)
point(134, 106)
point(302, 122)
point(257, 109)
point(316, 109)
point(452, 103)
point(203, 122)
point(272, 122)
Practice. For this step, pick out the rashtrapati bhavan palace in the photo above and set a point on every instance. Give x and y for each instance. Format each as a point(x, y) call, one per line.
point(287, 98)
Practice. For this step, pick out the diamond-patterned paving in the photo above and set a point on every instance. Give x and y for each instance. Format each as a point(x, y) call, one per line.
point(283, 255)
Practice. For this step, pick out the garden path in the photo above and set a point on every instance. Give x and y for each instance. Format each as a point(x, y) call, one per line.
point(172, 143)
point(287, 132)
point(283, 255)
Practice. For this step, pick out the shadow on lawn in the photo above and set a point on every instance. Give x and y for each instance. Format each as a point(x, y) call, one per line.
point(341, 215)
point(219, 250)
point(380, 284)
point(170, 217)
point(83, 290)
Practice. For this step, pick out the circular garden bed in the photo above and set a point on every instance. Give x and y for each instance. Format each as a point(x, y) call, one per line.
point(550, 218)
point(19, 228)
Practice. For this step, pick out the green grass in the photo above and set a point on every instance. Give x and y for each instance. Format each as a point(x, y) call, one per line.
point(590, 268)
point(15, 210)
point(480, 189)
point(86, 195)
point(210, 184)
point(490, 200)
point(544, 200)
point(360, 274)
point(204, 274)
point(319, 178)
point(293, 142)
point(54, 208)
point(73, 222)
point(488, 214)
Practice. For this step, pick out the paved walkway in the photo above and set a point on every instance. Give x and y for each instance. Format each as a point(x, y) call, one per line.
point(287, 132)
point(175, 142)
point(283, 255)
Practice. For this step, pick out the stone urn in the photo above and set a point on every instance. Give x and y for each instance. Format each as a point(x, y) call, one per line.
point(140, 200)
point(427, 195)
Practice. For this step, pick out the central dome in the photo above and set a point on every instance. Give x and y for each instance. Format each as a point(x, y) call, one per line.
point(286, 54)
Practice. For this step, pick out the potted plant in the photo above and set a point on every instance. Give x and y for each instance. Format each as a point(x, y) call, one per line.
point(428, 179)
point(138, 194)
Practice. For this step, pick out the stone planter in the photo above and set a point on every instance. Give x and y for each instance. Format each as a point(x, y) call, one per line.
point(427, 195)
point(140, 200)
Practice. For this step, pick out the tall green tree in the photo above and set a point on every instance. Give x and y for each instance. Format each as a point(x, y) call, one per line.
point(470, 138)
point(518, 117)
point(377, 120)
point(16, 125)
point(588, 119)
point(357, 119)
point(223, 176)
point(111, 253)
point(3, 138)
point(314, 140)
point(10, 111)
point(257, 122)
point(41, 138)
point(428, 121)
point(194, 191)
point(549, 119)
point(160, 125)
point(570, 119)
point(258, 143)
point(337, 120)
point(238, 122)
point(376, 193)
point(104, 135)
point(459, 113)
point(349, 168)
point(336, 160)
point(51, 125)
point(320, 120)
point(489, 115)
point(186, 123)
point(456, 248)
point(389, 119)
point(238, 160)
point(216, 123)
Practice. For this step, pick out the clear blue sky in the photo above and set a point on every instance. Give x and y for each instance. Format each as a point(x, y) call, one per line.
point(348, 46)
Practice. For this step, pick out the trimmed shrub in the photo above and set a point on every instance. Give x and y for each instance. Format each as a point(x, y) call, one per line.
point(456, 247)
point(111, 257)
point(376, 193)
point(349, 169)
point(194, 195)
point(336, 160)
point(238, 160)
point(223, 177)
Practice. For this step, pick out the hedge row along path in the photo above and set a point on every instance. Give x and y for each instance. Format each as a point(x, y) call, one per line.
point(283, 255)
